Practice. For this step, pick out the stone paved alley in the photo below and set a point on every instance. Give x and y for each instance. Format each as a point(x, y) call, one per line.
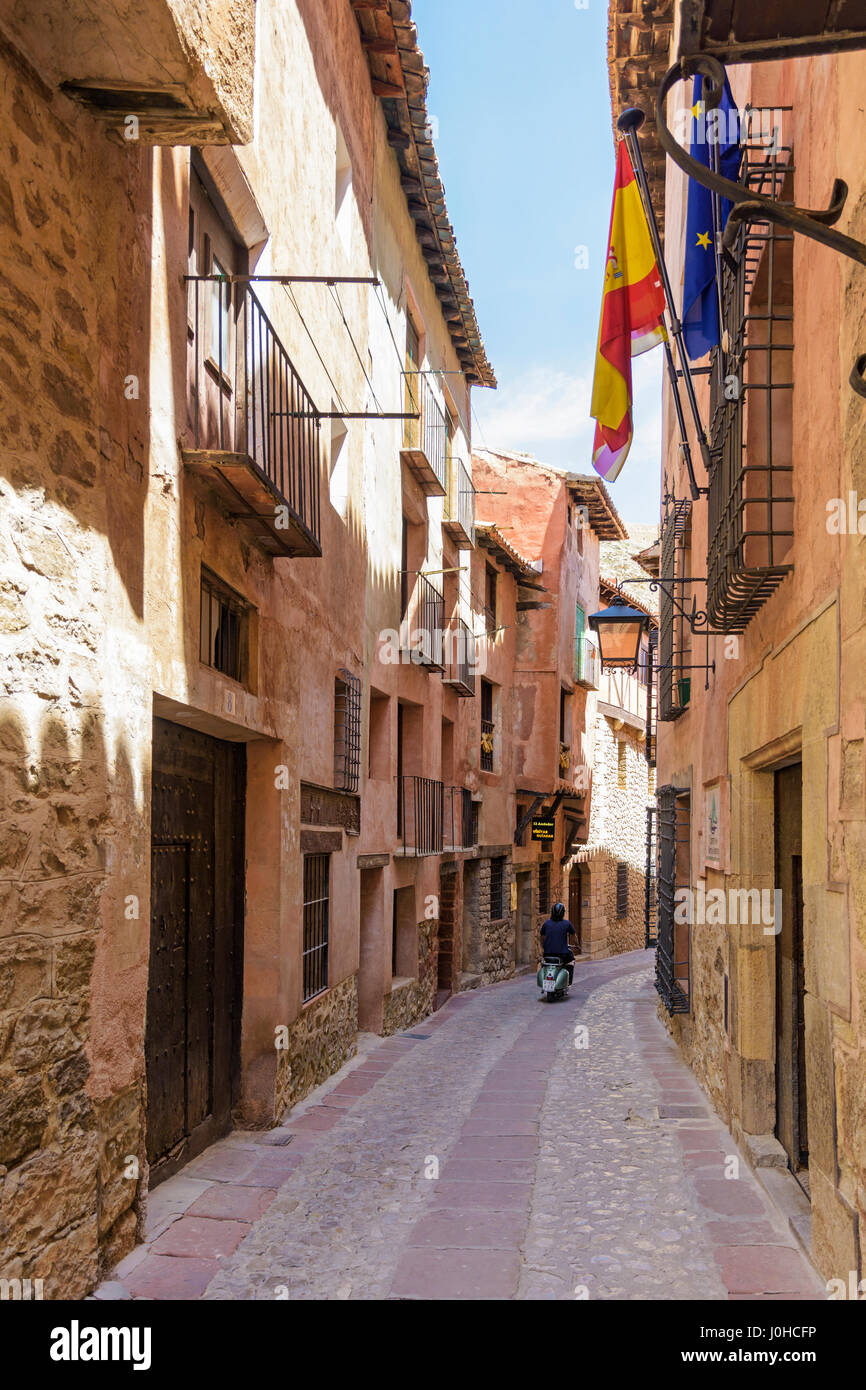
point(564, 1171)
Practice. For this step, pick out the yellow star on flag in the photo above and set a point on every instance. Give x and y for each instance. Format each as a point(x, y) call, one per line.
point(704, 240)
point(698, 109)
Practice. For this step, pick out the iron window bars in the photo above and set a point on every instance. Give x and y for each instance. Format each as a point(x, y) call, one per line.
point(224, 628)
point(347, 731)
point(497, 880)
point(544, 885)
point(750, 504)
point(651, 907)
point(488, 727)
point(317, 870)
point(421, 817)
point(672, 945)
point(675, 525)
point(650, 740)
point(622, 890)
point(247, 398)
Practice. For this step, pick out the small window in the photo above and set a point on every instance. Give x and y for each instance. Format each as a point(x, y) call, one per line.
point(497, 879)
point(317, 874)
point(490, 600)
point(347, 732)
point(622, 890)
point(621, 765)
point(544, 885)
point(224, 631)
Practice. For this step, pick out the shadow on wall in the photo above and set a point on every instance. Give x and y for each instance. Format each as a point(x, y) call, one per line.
point(71, 1129)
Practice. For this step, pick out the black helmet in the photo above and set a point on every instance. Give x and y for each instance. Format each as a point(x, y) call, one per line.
point(557, 912)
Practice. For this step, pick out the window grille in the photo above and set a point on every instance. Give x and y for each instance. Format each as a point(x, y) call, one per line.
point(672, 948)
point(544, 885)
point(224, 630)
point(750, 503)
point(675, 525)
point(651, 888)
point(347, 731)
point(497, 878)
point(621, 765)
point(488, 728)
point(651, 674)
point(317, 872)
point(622, 890)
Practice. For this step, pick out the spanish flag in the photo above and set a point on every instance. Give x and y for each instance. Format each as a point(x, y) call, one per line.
point(632, 306)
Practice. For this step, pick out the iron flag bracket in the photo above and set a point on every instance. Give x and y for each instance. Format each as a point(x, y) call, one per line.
point(748, 204)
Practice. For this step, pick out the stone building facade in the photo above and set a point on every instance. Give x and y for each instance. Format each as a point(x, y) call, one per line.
point(609, 905)
point(761, 775)
point(216, 515)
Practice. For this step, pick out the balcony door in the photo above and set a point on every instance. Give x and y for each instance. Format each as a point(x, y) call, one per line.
point(212, 323)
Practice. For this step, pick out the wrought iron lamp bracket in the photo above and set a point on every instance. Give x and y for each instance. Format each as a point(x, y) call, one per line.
point(748, 204)
point(697, 620)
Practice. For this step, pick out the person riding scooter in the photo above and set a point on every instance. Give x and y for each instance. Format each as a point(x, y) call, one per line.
point(554, 938)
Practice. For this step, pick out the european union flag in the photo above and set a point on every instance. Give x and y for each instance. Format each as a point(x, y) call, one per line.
point(700, 296)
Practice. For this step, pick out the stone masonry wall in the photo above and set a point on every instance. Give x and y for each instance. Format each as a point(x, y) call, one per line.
point(410, 1003)
point(320, 1040)
point(617, 835)
point(75, 712)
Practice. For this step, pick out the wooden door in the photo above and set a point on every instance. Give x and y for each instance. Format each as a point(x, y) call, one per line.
point(791, 1120)
point(192, 1036)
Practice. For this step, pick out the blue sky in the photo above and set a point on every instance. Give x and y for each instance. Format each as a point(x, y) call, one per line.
point(521, 110)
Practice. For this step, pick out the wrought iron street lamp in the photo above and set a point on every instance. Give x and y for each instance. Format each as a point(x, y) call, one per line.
point(619, 629)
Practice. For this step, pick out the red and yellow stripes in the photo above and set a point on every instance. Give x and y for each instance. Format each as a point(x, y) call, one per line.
point(632, 306)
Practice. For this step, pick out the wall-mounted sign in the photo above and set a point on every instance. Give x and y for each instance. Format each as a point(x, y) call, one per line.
point(713, 824)
point(543, 827)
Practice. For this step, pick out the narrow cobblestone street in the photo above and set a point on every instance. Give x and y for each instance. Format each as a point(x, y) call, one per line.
point(572, 1164)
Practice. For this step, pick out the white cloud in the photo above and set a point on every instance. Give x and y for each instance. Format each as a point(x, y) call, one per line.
point(545, 411)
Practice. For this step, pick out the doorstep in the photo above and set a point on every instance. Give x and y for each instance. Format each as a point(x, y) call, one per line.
point(769, 1163)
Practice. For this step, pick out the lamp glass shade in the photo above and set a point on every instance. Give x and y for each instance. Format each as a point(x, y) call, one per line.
point(619, 630)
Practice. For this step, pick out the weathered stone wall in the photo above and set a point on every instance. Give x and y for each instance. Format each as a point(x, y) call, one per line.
point(489, 944)
point(75, 712)
point(617, 835)
point(319, 1042)
point(409, 1003)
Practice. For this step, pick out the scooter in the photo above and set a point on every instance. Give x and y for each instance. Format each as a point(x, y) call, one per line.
point(552, 979)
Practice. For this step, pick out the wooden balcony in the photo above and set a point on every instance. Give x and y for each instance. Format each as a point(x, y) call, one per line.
point(424, 437)
point(458, 516)
point(460, 659)
point(255, 429)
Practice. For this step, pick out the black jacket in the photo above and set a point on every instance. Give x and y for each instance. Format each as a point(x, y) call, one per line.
point(554, 937)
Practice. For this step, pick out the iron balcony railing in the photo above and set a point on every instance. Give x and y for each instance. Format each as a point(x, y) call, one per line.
point(421, 815)
point(461, 658)
point(424, 623)
point(427, 433)
point(459, 509)
point(461, 819)
point(246, 397)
